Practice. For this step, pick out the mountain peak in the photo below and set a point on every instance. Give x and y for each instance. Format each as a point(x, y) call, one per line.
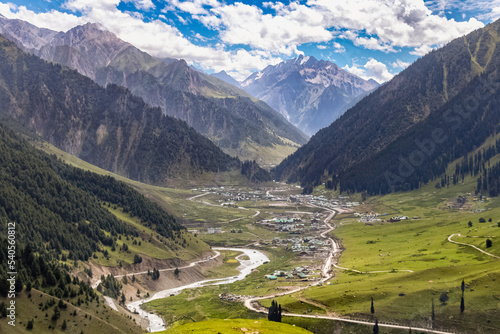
point(224, 76)
point(302, 60)
point(310, 93)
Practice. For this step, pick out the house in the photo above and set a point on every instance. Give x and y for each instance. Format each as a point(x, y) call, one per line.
point(214, 230)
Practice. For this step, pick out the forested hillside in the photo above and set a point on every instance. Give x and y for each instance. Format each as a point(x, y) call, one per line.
point(58, 208)
point(405, 133)
point(109, 128)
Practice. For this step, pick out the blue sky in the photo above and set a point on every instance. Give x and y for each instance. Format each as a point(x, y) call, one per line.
point(371, 38)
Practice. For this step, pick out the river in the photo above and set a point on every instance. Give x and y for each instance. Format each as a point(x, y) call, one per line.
point(156, 323)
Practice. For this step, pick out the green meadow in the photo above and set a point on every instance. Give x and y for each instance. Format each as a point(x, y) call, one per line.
point(419, 245)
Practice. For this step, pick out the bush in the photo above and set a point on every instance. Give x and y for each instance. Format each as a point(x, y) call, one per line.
point(444, 298)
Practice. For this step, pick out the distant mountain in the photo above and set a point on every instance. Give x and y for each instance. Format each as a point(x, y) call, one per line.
point(405, 134)
point(27, 36)
point(222, 75)
point(179, 90)
point(311, 94)
point(110, 128)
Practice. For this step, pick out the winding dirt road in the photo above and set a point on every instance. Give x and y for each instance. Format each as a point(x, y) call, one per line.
point(464, 244)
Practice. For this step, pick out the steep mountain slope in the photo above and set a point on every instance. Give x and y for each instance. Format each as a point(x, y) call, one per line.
point(103, 57)
point(308, 92)
point(58, 207)
point(109, 127)
point(63, 216)
point(27, 36)
point(227, 78)
point(407, 131)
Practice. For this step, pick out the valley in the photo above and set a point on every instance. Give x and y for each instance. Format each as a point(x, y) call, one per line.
point(195, 166)
point(372, 256)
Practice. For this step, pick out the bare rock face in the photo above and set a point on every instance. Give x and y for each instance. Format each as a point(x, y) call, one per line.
point(311, 94)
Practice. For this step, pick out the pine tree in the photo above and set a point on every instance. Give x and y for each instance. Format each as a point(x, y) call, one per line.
point(375, 328)
point(372, 309)
point(463, 286)
point(64, 325)
point(462, 305)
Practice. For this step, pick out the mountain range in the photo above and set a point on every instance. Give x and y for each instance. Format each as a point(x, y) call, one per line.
point(407, 132)
point(235, 121)
point(310, 93)
point(108, 127)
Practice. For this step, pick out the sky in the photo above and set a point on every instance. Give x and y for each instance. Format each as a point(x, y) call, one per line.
point(370, 38)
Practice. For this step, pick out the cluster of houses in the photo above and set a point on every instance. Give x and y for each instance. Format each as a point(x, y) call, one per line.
point(214, 230)
point(231, 297)
point(321, 200)
point(297, 272)
point(368, 218)
point(291, 225)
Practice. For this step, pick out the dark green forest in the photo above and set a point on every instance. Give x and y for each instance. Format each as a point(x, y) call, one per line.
point(58, 207)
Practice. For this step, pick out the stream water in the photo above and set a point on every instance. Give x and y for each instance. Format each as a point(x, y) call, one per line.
point(156, 323)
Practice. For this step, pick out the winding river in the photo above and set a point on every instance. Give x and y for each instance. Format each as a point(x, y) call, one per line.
point(156, 323)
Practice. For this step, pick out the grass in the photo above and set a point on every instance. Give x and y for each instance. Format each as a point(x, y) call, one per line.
point(237, 326)
point(419, 245)
point(199, 305)
point(265, 156)
point(90, 318)
point(173, 200)
point(228, 267)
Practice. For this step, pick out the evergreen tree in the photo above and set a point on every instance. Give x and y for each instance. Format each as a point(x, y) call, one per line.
point(57, 313)
point(462, 304)
point(375, 328)
point(372, 309)
point(489, 243)
point(444, 298)
point(274, 313)
point(30, 324)
point(64, 325)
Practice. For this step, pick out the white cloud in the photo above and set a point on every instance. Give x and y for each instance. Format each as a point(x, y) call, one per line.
point(483, 9)
point(421, 50)
point(339, 48)
point(155, 37)
point(195, 7)
point(372, 24)
point(373, 69)
point(241, 23)
point(321, 47)
point(51, 20)
point(142, 4)
point(400, 64)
